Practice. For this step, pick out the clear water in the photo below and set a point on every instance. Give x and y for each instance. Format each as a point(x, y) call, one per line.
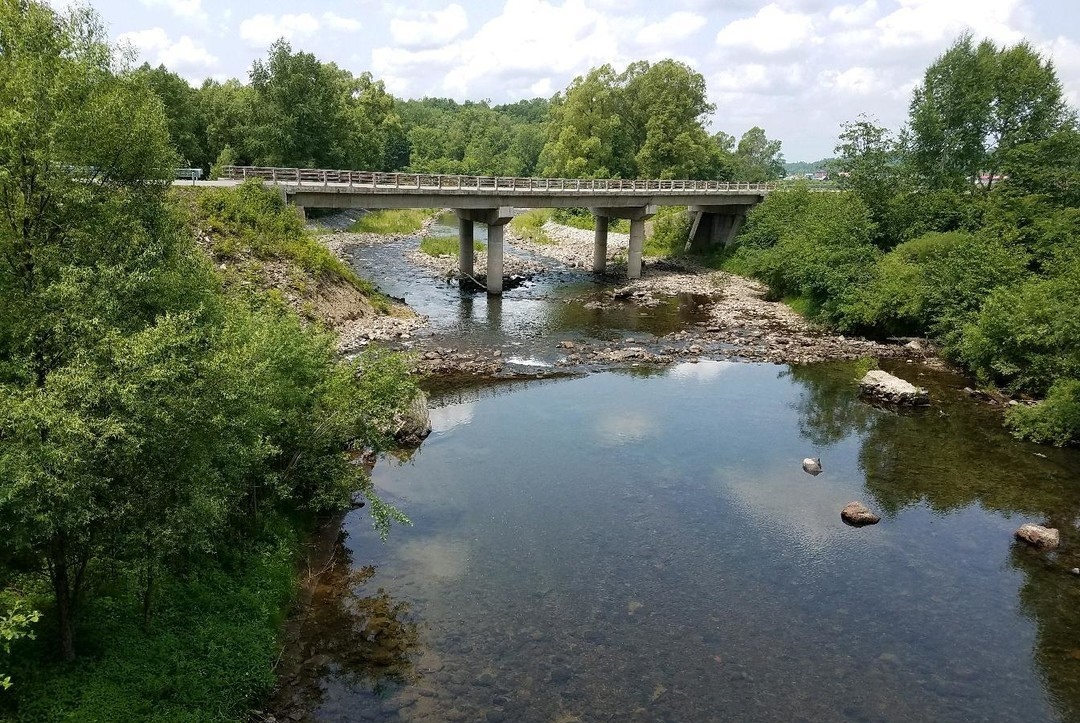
point(646, 547)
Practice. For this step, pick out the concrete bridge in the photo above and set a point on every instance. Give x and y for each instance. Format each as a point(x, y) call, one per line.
point(718, 207)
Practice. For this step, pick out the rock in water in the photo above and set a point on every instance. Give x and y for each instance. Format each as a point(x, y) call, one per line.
point(893, 390)
point(812, 465)
point(1044, 538)
point(857, 514)
point(413, 424)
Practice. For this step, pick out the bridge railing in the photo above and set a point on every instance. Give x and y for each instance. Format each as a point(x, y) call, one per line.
point(441, 182)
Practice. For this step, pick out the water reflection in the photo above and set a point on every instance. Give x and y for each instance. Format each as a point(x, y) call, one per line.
point(623, 547)
point(355, 637)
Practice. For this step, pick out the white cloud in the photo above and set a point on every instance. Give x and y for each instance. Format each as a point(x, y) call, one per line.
point(857, 80)
point(262, 29)
point(186, 9)
point(673, 28)
point(155, 46)
point(429, 29)
point(338, 22)
point(772, 30)
point(854, 14)
point(932, 22)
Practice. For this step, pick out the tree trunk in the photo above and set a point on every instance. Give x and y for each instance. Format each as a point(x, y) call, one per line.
point(61, 580)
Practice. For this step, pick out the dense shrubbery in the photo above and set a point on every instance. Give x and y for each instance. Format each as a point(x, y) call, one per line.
point(160, 437)
point(991, 271)
point(670, 230)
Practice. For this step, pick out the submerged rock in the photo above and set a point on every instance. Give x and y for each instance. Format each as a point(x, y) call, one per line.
point(885, 387)
point(413, 424)
point(857, 514)
point(1044, 538)
point(812, 465)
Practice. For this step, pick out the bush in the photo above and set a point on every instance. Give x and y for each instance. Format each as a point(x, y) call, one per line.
point(1027, 337)
point(404, 221)
point(583, 218)
point(1054, 421)
point(444, 246)
point(530, 225)
point(253, 219)
point(670, 229)
point(813, 245)
point(935, 284)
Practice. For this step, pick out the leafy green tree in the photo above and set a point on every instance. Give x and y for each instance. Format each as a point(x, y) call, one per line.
point(868, 162)
point(757, 159)
point(976, 103)
point(228, 114)
point(85, 158)
point(586, 133)
point(182, 112)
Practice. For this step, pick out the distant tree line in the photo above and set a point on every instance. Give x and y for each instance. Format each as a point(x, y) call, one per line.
point(964, 226)
point(647, 121)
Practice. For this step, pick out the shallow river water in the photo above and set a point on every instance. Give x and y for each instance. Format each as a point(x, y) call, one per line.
point(644, 546)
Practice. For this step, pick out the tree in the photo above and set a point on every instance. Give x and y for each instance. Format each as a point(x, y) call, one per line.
point(182, 112)
point(85, 158)
point(586, 133)
point(976, 103)
point(869, 165)
point(757, 159)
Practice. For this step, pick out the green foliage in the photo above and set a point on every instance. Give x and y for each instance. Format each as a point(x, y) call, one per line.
point(584, 219)
point(936, 284)
point(15, 625)
point(1055, 420)
point(757, 159)
point(813, 245)
point(227, 157)
point(670, 230)
point(530, 225)
point(207, 656)
point(444, 246)
point(868, 158)
point(253, 220)
point(406, 220)
point(1026, 337)
point(976, 103)
point(647, 121)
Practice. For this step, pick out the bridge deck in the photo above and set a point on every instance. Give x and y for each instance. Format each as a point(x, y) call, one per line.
point(430, 183)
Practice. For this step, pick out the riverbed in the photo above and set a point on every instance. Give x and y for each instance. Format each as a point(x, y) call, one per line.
point(642, 544)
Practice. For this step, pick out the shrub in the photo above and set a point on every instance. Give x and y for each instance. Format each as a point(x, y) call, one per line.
point(1055, 421)
point(444, 246)
point(1028, 336)
point(670, 229)
point(530, 225)
point(936, 283)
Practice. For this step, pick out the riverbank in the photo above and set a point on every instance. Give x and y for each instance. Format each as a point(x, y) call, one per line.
point(735, 321)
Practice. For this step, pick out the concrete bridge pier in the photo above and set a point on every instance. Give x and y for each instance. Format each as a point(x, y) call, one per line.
point(637, 217)
point(715, 226)
point(466, 253)
point(599, 256)
point(496, 220)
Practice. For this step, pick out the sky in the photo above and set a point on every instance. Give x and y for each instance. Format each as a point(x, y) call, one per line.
point(797, 68)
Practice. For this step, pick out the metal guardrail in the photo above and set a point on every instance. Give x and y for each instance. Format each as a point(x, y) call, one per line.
point(376, 180)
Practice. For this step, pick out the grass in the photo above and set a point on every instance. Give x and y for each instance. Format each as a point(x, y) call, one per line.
point(405, 220)
point(208, 655)
point(582, 218)
point(530, 225)
point(444, 246)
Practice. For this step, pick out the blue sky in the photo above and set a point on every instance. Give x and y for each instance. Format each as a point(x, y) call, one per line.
point(798, 68)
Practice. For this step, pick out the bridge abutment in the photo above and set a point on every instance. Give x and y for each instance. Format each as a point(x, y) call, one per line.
point(715, 226)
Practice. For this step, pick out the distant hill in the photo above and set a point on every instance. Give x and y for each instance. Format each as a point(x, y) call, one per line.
point(800, 167)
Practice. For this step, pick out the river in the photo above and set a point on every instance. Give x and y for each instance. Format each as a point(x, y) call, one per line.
point(643, 545)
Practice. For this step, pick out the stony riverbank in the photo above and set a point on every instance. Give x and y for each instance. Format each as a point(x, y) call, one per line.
point(739, 324)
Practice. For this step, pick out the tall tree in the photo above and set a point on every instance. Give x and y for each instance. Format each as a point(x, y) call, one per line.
point(182, 112)
point(976, 102)
point(868, 163)
point(757, 159)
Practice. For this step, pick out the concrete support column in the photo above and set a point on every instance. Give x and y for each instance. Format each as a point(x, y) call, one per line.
point(599, 256)
point(303, 214)
point(495, 258)
point(466, 254)
point(637, 243)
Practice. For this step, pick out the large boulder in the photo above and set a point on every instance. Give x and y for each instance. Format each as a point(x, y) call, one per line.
point(884, 387)
point(1044, 538)
point(857, 514)
point(413, 424)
